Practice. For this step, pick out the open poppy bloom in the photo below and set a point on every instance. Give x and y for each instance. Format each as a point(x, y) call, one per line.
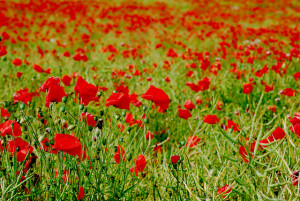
point(175, 158)
point(20, 147)
point(277, 134)
point(46, 146)
point(140, 164)
point(89, 118)
point(158, 97)
point(66, 80)
point(247, 88)
point(51, 81)
point(55, 94)
point(295, 177)
point(295, 128)
point(119, 100)
point(23, 96)
point(37, 68)
point(192, 141)
point(81, 194)
point(204, 84)
point(289, 92)
point(85, 91)
point(68, 143)
point(120, 155)
point(183, 113)
point(224, 190)
point(189, 105)
point(211, 119)
point(234, 126)
point(4, 113)
point(244, 154)
point(10, 127)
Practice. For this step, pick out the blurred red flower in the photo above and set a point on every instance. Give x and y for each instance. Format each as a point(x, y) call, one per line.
point(158, 97)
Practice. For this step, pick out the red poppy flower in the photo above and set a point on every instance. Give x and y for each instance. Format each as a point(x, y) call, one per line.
point(66, 80)
point(20, 147)
point(134, 169)
point(120, 155)
point(22, 96)
point(85, 91)
point(46, 146)
point(4, 112)
point(234, 126)
point(68, 143)
point(89, 118)
point(167, 79)
point(189, 105)
point(119, 100)
point(219, 105)
point(247, 88)
point(81, 194)
point(48, 71)
point(224, 190)
point(134, 101)
point(29, 162)
point(268, 88)
point(19, 74)
point(183, 113)
point(158, 97)
point(3, 51)
point(140, 162)
point(204, 84)
point(192, 141)
point(17, 62)
point(6, 128)
point(38, 68)
point(289, 92)
point(175, 158)
point(211, 119)
point(149, 135)
point(243, 151)
point(55, 94)
point(295, 177)
point(50, 82)
point(295, 128)
point(277, 134)
point(297, 76)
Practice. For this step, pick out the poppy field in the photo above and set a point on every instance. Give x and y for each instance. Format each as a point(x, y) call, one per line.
point(149, 100)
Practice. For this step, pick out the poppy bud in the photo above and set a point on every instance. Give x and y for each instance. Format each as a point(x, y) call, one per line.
point(121, 139)
point(22, 121)
point(117, 116)
point(62, 109)
point(41, 138)
point(144, 108)
point(128, 129)
point(104, 141)
point(146, 120)
point(99, 93)
point(28, 102)
point(100, 124)
point(123, 113)
point(90, 128)
point(129, 157)
point(71, 127)
point(101, 113)
point(114, 91)
point(81, 107)
point(63, 122)
point(57, 121)
point(39, 109)
point(64, 99)
point(85, 110)
point(22, 106)
point(48, 130)
point(5, 103)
